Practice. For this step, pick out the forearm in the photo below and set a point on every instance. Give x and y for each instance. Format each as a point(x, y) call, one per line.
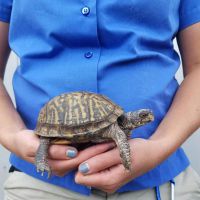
point(10, 121)
point(183, 117)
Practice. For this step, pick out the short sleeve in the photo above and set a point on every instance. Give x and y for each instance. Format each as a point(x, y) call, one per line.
point(189, 13)
point(5, 10)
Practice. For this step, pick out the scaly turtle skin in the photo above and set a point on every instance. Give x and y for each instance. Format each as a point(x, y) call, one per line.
point(80, 117)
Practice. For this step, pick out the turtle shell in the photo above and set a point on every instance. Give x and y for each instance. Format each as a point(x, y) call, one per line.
point(76, 113)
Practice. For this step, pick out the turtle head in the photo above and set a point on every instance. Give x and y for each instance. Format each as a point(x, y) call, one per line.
point(134, 119)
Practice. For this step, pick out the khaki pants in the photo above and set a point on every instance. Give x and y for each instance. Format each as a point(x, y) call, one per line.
point(20, 186)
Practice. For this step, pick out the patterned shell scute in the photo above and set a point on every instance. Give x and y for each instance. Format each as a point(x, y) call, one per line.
point(79, 108)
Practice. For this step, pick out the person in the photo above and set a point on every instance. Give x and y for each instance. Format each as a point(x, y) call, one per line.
point(124, 50)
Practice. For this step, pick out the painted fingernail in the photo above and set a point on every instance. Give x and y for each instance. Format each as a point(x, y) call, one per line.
point(84, 168)
point(71, 153)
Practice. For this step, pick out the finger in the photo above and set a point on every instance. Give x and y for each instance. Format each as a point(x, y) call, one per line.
point(62, 166)
point(94, 150)
point(30, 159)
point(62, 152)
point(106, 179)
point(100, 162)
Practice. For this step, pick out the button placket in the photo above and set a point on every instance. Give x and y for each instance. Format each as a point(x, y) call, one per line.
point(91, 48)
point(85, 11)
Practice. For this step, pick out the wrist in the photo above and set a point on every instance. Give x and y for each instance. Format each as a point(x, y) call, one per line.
point(165, 144)
point(147, 154)
point(8, 138)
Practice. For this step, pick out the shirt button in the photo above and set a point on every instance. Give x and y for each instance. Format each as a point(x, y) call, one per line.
point(85, 10)
point(88, 54)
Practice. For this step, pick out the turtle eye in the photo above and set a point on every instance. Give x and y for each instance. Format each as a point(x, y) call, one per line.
point(144, 114)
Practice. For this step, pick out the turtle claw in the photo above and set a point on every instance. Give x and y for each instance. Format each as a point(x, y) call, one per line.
point(42, 167)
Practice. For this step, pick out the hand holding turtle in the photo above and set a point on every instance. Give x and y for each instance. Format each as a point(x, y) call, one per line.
point(61, 164)
point(106, 172)
point(62, 158)
point(25, 144)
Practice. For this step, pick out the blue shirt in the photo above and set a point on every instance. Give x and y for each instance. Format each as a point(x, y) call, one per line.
point(122, 49)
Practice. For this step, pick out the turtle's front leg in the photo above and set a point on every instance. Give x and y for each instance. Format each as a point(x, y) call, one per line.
point(41, 161)
point(115, 133)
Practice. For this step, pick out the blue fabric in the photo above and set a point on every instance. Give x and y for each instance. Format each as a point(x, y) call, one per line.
point(131, 59)
point(189, 13)
point(5, 10)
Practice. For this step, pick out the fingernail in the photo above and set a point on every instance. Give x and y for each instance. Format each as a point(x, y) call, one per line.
point(71, 153)
point(84, 168)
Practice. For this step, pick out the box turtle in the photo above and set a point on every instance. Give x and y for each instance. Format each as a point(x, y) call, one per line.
point(81, 117)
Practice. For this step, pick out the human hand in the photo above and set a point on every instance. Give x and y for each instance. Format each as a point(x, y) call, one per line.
point(61, 164)
point(23, 143)
point(108, 174)
point(62, 158)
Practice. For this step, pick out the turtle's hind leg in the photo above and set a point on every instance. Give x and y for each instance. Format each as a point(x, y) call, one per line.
point(115, 133)
point(41, 161)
